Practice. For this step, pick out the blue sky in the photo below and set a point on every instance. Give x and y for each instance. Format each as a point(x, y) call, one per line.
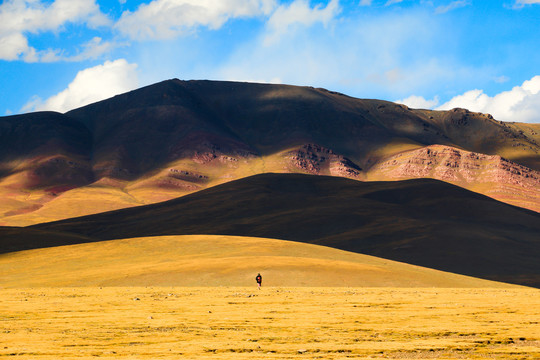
point(438, 54)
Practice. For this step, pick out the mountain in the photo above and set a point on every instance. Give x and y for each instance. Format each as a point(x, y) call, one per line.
point(177, 137)
point(422, 222)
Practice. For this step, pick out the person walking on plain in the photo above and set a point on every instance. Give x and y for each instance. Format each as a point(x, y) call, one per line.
point(258, 279)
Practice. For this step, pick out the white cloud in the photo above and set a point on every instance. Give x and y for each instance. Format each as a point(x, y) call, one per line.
point(299, 12)
point(92, 49)
point(20, 17)
point(166, 19)
point(452, 6)
point(365, 2)
point(90, 85)
point(521, 104)
point(527, 2)
point(419, 102)
point(392, 2)
point(12, 45)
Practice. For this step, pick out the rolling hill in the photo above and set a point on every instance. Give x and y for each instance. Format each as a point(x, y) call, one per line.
point(214, 260)
point(177, 137)
point(423, 222)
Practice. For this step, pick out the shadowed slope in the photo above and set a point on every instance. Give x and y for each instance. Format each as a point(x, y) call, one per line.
point(16, 239)
point(210, 260)
point(177, 137)
point(423, 222)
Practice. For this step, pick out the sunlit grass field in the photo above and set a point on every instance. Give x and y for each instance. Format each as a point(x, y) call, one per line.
point(130, 299)
point(272, 323)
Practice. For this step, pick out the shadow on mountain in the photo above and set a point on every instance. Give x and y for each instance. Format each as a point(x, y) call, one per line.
point(423, 222)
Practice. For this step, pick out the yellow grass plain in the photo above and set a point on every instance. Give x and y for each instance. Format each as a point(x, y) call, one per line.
point(130, 299)
point(272, 323)
point(213, 260)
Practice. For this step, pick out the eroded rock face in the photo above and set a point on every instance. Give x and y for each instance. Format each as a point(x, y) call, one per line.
point(318, 160)
point(499, 177)
point(188, 175)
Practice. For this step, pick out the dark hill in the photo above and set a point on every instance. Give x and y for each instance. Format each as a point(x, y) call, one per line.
point(50, 147)
point(423, 222)
point(144, 129)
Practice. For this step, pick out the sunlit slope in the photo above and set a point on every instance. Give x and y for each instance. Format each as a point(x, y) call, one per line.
point(491, 175)
point(176, 137)
point(423, 222)
point(209, 260)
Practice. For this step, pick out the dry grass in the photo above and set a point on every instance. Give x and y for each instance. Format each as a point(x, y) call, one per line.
point(212, 260)
point(274, 323)
point(54, 304)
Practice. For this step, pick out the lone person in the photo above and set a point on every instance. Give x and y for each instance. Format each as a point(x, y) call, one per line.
point(258, 279)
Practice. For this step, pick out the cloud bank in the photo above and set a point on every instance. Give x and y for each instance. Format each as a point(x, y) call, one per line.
point(419, 102)
point(299, 13)
point(520, 104)
point(90, 85)
point(18, 18)
point(166, 19)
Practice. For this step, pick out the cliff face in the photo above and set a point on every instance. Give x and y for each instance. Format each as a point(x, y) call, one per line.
point(317, 160)
point(491, 175)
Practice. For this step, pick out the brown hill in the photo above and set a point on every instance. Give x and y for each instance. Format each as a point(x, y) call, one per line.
point(423, 222)
point(177, 137)
point(491, 175)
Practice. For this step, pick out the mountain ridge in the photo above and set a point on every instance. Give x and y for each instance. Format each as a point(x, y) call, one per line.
point(175, 137)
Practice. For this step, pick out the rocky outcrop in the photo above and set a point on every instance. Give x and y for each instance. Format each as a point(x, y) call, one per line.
point(318, 160)
point(491, 175)
point(186, 175)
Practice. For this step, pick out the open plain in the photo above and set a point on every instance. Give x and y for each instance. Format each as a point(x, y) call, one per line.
point(273, 323)
point(130, 299)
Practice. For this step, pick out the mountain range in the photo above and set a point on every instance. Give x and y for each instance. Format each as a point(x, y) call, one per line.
point(176, 137)
point(452, 190)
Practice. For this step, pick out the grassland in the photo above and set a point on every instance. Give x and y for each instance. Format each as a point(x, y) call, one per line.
point(129, 299)
point(273, 323)
point(423, 222)
point(206, 260)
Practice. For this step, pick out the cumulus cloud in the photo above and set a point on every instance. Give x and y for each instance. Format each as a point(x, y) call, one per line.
point(20, 17)
point(90, 85)
point(521, 104)
point(12, 45)
point(419, 102)
point(166, 19)
point(299, 12)
point(452, 6)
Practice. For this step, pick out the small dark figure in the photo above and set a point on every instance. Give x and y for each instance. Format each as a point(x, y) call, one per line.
point(258, 279)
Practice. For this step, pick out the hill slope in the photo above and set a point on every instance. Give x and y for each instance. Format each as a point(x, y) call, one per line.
point(205, 260)
point(423, 222)
point(176, 137)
